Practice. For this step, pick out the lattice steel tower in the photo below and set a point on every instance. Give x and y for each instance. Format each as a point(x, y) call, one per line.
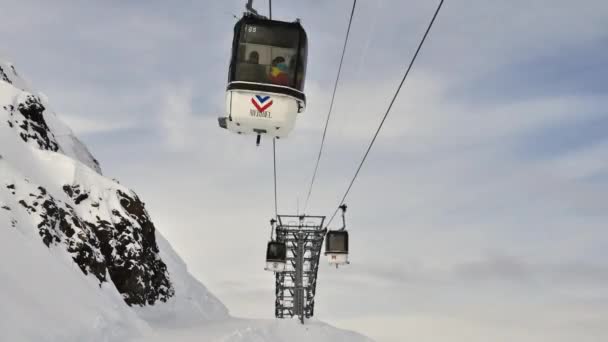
point(296, 286)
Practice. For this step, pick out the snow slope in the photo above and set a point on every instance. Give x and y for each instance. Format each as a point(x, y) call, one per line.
point(81, 260)
point(248, 330)
point(44, 296)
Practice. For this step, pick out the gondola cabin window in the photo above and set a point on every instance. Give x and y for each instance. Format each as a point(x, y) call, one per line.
point(269, 54)
point(337, 242)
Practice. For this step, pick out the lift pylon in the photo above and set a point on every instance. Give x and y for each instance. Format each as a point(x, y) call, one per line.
point(296, 285)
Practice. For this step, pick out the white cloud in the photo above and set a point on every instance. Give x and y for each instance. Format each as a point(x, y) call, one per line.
point(82, 125)
point(177, 121)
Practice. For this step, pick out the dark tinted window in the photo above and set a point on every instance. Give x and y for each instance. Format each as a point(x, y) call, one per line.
point(271, 53)
point(337, 242)
point(276, 251)
point(271, 34)
point(302, 58)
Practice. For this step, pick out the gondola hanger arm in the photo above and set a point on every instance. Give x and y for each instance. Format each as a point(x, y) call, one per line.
point(272, 225)
point(343, 208)
point(250, 8)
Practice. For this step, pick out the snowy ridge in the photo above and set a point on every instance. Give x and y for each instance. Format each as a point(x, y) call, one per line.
point(102, 224)
point(15, 95)
point(80, 258)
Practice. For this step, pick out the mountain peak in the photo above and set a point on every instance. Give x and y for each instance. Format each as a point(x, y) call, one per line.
point(81, 257)
point(51, 186)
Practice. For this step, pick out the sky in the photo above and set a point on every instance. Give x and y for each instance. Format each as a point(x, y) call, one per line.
point(481, 211)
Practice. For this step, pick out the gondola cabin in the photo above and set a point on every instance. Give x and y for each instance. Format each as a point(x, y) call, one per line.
point(336, 247)
point(265, 89)
point(276, 256)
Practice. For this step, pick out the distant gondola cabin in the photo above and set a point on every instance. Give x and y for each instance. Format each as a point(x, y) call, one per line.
point(266, 78)
point(336, 247)
point(276, 256)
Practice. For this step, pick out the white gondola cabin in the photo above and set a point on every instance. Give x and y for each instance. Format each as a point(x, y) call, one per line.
point(336, 247)
point(276, 256)
point(266, 78)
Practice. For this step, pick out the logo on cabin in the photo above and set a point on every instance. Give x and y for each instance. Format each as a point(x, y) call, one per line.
point(261, 104)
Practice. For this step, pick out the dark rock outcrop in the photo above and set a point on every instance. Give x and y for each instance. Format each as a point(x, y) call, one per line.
point(103, 226)
point(4, 76)
point(30, 124)
point(113, 244)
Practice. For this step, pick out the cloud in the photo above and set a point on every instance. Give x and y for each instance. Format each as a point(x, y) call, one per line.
point(176, 118)
point(501, 267)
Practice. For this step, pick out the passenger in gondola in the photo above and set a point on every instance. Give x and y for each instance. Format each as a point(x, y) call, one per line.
point(278, 71)
point(250, 70)
point(254, 58)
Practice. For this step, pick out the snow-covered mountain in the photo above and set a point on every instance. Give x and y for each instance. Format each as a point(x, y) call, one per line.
point(81, 259)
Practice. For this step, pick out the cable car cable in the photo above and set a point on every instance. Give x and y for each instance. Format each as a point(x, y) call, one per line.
point(274, 162)
point(428, 29)
point(331, 105)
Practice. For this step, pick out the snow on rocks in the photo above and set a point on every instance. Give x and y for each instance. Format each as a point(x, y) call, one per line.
point(25, 115)
point(45, 297)
point(30, 118)
point(102, 225)
point(80, 258)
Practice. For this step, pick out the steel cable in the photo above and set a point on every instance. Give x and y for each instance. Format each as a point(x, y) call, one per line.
point(331, 105)
point(428, 29)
